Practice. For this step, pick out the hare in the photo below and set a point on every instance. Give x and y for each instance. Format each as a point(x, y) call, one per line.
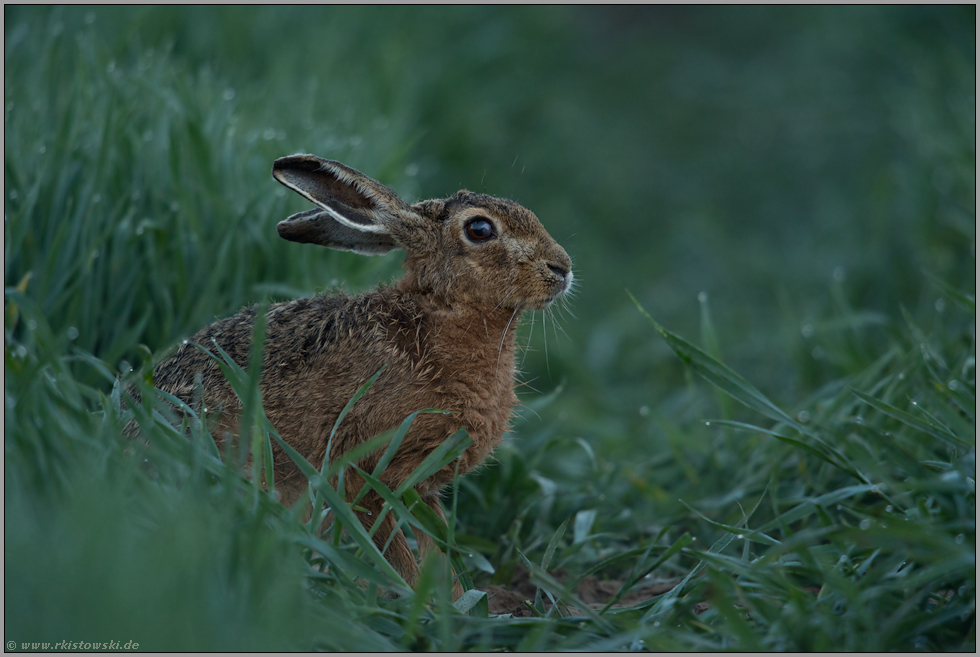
point(445, 331)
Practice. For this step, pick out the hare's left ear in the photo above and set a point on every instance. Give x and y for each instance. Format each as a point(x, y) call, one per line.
point(318, 226)
point(357, 212)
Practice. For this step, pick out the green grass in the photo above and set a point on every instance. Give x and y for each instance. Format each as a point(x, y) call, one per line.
point(779, 414)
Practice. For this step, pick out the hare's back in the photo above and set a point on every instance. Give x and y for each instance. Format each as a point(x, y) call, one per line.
point(308, 342)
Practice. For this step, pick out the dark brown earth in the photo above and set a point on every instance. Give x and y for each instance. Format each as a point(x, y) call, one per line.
point(516, 598)
point(519, 594)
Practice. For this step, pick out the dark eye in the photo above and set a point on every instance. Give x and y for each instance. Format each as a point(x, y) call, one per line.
point(479, 230)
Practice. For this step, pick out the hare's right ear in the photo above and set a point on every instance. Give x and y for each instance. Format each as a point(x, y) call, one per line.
point(357, 213)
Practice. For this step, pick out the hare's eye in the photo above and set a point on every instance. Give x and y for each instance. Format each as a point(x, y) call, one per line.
point(479, 230)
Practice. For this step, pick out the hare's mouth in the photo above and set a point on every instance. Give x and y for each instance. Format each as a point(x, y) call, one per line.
point(565, 278)
point(560, 282)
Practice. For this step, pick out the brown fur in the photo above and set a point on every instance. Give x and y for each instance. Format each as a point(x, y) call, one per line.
point(445, 332)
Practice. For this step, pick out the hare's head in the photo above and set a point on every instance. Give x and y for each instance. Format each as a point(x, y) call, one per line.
point(466, 249)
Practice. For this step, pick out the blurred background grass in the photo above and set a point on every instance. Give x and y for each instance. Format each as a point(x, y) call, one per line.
point(787, 173)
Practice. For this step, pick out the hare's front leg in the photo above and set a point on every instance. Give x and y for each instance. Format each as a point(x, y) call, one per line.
point(428, 547)
point(398, 554)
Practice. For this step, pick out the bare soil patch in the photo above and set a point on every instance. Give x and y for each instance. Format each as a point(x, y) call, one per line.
point(515, 598)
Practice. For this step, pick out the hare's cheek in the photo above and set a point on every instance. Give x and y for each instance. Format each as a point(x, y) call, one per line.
point(491, 264)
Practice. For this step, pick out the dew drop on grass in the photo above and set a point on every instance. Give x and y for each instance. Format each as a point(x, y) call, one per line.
point(644, 410)
point(940, 305)
point(31, 325)
point(953, 385)
point(269, 134)
point(13, 194)
point(803, 417)
point(412, 170)
point(229, 94)
point(740, 536)
point(865, 524)
point(96, 199)
point(817, 353)
point(72, 332)
point(707, 424)
point(889, 508)
point(702, 297)
point(806, 331)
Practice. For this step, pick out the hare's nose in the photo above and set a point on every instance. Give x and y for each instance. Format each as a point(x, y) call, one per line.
point(561, 271)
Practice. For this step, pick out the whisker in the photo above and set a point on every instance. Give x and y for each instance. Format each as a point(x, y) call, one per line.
point(544, 329)
point(561, 328)
point(524, 407)
point(500, 349)
point(507, 296)
point(527, 345)
point(554, 325)
point(527, 384)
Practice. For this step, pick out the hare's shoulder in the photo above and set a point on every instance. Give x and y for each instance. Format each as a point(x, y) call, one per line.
point(323, 323)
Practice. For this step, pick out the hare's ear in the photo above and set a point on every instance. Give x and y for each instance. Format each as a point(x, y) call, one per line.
point(318, 226)
point(347, 196)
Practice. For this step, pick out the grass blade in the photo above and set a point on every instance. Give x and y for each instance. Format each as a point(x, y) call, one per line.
point(938, 432)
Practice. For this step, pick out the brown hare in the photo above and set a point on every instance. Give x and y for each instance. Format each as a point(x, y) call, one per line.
point(445, 331)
